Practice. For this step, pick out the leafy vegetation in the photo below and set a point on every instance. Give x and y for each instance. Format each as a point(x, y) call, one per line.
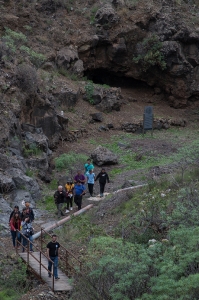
point(89, 87)
point(69, 161)
point(15, 283)
point(150, 54)
point(36, 58)
point(31, 150)
point(151, 252)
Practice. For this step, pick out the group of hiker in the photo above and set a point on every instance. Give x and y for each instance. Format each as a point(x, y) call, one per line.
point(21, 222)
point(75, 188)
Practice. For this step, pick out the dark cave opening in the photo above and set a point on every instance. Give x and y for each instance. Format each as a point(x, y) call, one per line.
point(102, 76)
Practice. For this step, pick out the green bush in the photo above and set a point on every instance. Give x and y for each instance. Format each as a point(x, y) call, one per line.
point(89, 87)
point(150, 54)
point(36, 58)
point(69, 160)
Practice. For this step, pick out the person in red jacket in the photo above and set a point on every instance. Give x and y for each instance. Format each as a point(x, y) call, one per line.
point(15, 224)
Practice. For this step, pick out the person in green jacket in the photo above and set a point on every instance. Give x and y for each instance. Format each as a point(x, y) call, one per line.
point(88, 166)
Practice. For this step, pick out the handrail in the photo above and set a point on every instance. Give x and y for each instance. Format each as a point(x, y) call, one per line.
point(67, 252)
point(39, 261)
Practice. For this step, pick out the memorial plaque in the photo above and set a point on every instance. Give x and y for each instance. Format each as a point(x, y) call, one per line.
point(148, 118)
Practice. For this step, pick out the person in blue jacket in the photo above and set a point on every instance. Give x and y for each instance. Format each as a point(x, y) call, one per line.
point(90, 180)
point(79, 191)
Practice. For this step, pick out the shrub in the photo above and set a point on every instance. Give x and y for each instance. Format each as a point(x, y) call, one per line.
point(27, 78)
point(69, 160)
point(89, 87)
point(36, 58)
point(150, 53)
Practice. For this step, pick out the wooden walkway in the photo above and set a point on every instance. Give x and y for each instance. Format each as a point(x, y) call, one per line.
point(59, 285)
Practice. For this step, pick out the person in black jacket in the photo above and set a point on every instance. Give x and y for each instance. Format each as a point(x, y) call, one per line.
point(60, 197)
point(103, 178)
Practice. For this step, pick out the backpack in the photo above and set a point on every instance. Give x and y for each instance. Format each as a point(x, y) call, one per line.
point(28, 232)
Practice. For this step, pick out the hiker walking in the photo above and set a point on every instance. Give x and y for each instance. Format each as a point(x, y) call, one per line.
point(52, 254)
point(79, 191)
point(90, 180)
point(29, 211)
point(103, 178)
point(79, 177)
point(88, 166)
point(28, 232)
point(15, 224)
point(15, 210)
point(69, 194)
point(60, 197)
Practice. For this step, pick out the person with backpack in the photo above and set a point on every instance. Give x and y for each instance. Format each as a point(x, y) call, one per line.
point(15, 224)
point(60, 196)
point(88, 166)
point(27, 231)
point(29, 211)
point(90, 180)
point(103, 178)
point(69, 194)
point(79, 191)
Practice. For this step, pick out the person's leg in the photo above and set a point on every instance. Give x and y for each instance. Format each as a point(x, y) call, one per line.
point(50, 266)
point(101, 189)
point(18, 238)
point(71, 203)
point(13, 235)
point(31, 245)
point(80, 203)
point(67, 202)
point(91, 189)
point(76, 200)
point(103, 186)
point(60, 209)
point(55, 266)
point(24, 243)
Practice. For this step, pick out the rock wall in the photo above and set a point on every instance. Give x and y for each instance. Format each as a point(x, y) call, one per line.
point(122, 31)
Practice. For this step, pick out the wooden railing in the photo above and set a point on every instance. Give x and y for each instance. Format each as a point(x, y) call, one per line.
point(27, 250)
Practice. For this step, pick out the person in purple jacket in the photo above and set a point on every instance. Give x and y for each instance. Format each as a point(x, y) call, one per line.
point(79, 177)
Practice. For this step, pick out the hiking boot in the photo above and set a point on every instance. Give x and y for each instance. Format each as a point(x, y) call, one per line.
point(57, 278)
point(67, 211)
point(71, 208)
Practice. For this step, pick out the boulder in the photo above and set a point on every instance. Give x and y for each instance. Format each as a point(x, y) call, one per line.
point(38, 163)
point(109, 103)
point(6, 183)
point(106, 15)
point(12, 161)
point(66, 56)
point(78, 68)
point(103, 156)
point(20, 196)
point(24, 182)
point(5, 207)
point(66, 96)
point(37, 139)
point(97, 117)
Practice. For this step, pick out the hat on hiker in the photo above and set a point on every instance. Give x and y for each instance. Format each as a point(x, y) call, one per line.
point(69, 180)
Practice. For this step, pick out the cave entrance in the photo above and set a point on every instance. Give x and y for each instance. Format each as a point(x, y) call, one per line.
point(102, 76)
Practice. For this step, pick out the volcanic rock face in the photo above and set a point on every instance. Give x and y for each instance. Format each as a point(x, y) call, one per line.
point(123, 28)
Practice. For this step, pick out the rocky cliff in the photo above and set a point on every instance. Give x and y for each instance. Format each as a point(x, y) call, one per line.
point(48, 46)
